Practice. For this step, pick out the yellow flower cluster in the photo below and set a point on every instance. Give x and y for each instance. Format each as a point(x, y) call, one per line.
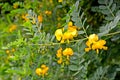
point(24, 17)
point(94, 43)
point(9, 54)
point(65, 53)
point(40, 18)
point(15, 5)
point(60, 0)
point(48, 12)
point(8, 51)
point(12, 28)
point(67, 35)
point(42, 71)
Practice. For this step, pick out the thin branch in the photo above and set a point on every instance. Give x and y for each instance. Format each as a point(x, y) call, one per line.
point(52, 44)
point(112, 33)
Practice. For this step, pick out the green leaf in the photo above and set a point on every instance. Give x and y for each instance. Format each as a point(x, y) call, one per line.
point(17, 11)
point(118, 69)
point(109, 18)
point(105, 11)
point(113, 7)
point(94, 9)
point(81, 32)
point(110, 2)
point(73, 67)
point(102, 7)
point(101, 1)
point(27, 24)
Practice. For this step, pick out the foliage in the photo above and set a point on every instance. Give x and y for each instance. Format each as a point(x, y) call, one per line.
point(59, 40)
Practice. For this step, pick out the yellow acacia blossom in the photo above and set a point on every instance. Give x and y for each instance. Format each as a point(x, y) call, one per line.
point(60, 61)
point(58, 34)
point(68, 52)
point(73, 30)
point(13, 50)
point(60, 0)
point(8, 52)
point(40, 18)
point(12, 28)
point(94, 43)
point(51, 1)
point(15, 5)
point(99, 45)
point(48, 12)
point(42, 71)
point(24, 17)
point(64, 55)
point(70, 24)
point(59, 53)
point(67, 35)
point(38, 71)
point(93, 38)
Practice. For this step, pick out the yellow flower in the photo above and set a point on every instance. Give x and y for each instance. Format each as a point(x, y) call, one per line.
point(15, 5)
point(73, 30)
point(70, 24)
point(93, 38)
point(67, 35)
point(48, 12)
point(64, 56)
point(88, 43)
point(95, 44)
point(58, 34)
point(99, 45)
point(13, 50)
point(38, 71)
point(42, 71)
point(68, 51)
point(24, 16)
point(12, 28)
point(43, 66)
point(51, 1)
point(40, 18)
point(59, 61)
point(60, 0)
point(59, 53)
point(7, 51)
point(87, 49)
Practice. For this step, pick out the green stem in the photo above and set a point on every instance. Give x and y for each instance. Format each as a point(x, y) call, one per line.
point(110, 10)
point(8, 19)
point(112, 33)
point(52, 44)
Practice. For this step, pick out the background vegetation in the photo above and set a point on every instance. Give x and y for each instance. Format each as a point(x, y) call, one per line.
point(29, 46)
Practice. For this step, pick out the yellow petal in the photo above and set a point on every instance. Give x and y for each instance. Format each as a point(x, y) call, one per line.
point(38, 71)
point(68, 51)
point(60, 0)
point(70, 24)
point(58, 34)
point(93, 38)
point(87, 49)
point(67, 35)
